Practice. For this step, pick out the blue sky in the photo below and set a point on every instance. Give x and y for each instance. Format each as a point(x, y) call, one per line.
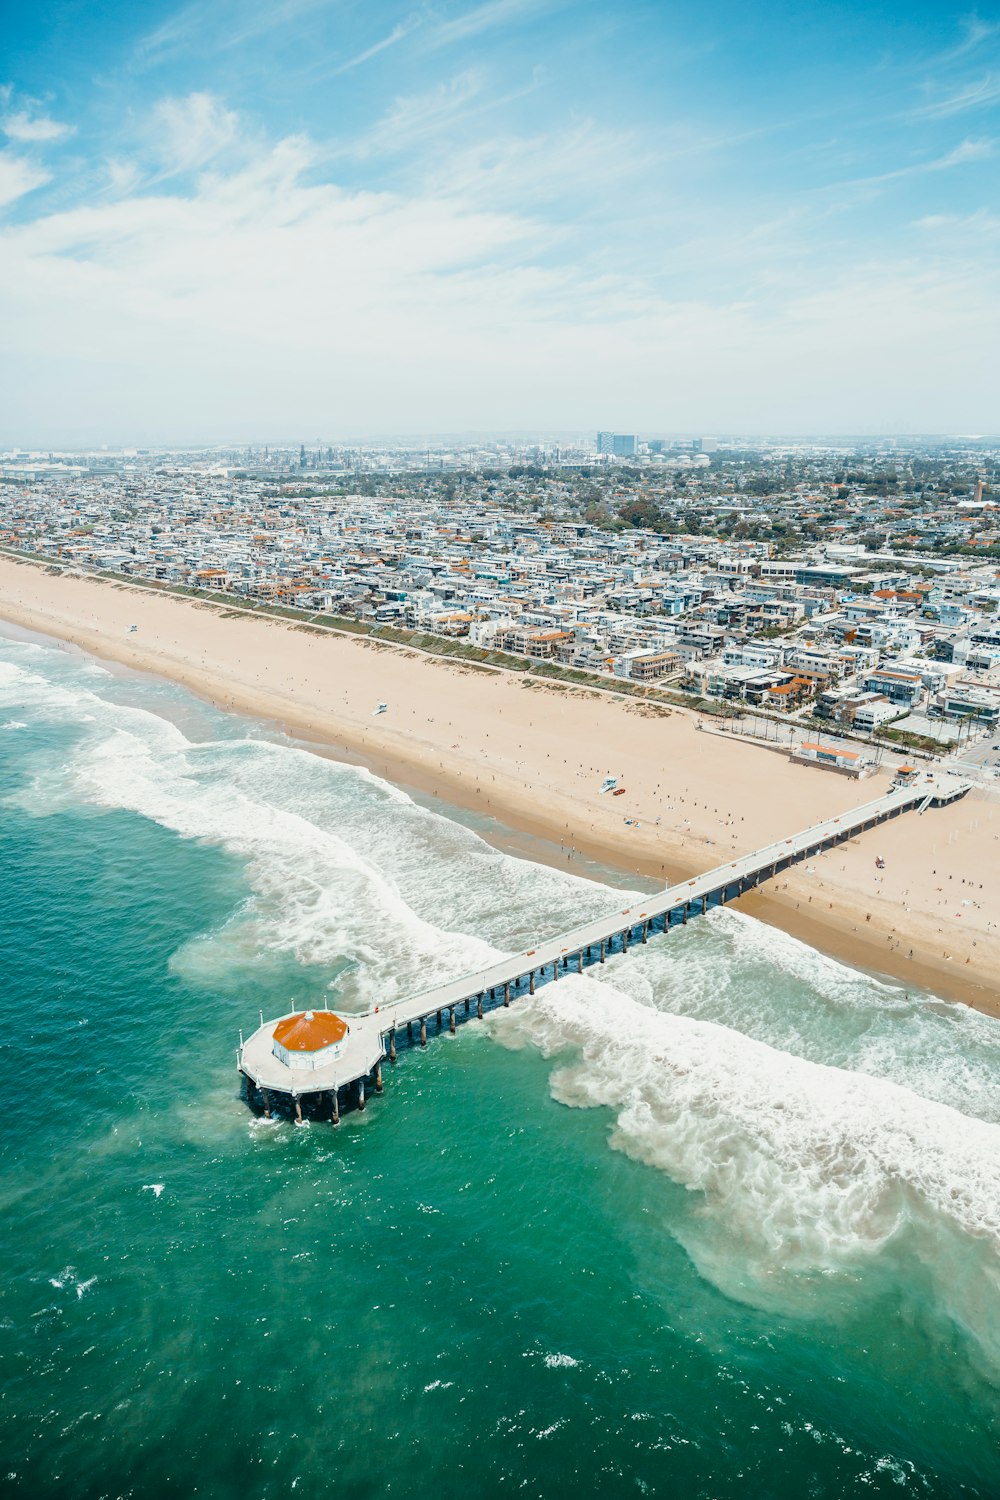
point(241, 221)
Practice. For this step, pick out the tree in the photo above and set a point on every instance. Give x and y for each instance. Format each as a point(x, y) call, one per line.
point(641, 512)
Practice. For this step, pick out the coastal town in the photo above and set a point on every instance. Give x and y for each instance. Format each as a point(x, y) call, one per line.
point(847, 594)
point(500, 750)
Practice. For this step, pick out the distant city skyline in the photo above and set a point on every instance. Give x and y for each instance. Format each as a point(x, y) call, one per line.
point(219, 221)
point(661, 445)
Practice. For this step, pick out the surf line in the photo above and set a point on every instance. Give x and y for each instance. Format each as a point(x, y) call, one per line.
point(321, 1059)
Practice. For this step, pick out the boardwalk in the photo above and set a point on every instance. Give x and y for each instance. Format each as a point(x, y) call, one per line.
point(377, 1034)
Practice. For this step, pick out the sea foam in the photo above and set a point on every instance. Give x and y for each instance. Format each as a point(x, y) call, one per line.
point(317, 896)
point(807, 1177)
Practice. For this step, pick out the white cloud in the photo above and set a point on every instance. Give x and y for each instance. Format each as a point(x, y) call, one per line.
point(171, 36)
point(395, 35)
point(122, 176)
point(189, 132)
point(978, 95)
point(966, 151)
point(414, 117)
point(415, 120)
point(24, 126)
point(18, 177)
point(570, 174)
point(258, 301)
point(484, 18)
point(217, 26)
point(976, 32)
point(224, 24)
point(969, 227)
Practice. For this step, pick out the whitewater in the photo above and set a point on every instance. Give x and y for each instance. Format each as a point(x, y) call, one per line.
point(827, 1142)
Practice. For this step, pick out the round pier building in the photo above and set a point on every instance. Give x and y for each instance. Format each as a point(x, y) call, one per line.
point(309, 1039)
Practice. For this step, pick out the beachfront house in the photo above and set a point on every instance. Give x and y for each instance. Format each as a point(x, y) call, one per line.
point(646, 666)
point(903, 688)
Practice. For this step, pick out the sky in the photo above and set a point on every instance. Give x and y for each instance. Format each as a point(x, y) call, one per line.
point(235, 221)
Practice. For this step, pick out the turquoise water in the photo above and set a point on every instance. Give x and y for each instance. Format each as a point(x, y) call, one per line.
point(723, 1224)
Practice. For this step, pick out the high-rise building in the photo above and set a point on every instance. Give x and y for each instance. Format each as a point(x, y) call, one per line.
point(618, 444)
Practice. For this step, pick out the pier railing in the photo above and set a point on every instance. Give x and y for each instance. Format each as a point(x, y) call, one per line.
point(381, 1031)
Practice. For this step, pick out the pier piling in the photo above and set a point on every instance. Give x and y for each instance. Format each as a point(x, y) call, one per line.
point(367, 1039)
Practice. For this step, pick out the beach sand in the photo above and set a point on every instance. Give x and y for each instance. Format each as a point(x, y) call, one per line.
point(533, 755)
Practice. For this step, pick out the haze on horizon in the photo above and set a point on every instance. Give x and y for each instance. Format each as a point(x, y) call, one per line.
point(219, 220)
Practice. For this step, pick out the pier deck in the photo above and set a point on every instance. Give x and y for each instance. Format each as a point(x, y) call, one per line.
point(375, 1034)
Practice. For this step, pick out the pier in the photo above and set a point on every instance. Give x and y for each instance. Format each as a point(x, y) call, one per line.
point(345, 1065)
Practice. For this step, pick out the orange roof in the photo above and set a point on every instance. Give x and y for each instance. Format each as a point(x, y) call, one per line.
point(831, 750)
point(310, 1030)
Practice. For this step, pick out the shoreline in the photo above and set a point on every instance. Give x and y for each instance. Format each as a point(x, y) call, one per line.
point(508, 728)
point(835, 935)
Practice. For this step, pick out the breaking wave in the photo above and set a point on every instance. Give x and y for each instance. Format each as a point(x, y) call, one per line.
point(835, 1133)
point(345, 871)
point(807, 1177)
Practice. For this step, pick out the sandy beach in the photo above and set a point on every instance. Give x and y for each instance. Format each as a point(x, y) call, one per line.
point(533, 755)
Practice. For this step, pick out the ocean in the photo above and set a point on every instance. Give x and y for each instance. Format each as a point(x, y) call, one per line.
point(725, 1223)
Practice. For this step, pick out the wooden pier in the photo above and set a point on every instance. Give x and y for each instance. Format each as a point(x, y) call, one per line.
point(381, 1033)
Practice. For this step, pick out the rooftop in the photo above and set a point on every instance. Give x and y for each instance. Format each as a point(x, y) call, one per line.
point(310, 1031)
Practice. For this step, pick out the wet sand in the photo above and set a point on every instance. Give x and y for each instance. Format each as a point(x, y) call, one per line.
point(532, 755)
